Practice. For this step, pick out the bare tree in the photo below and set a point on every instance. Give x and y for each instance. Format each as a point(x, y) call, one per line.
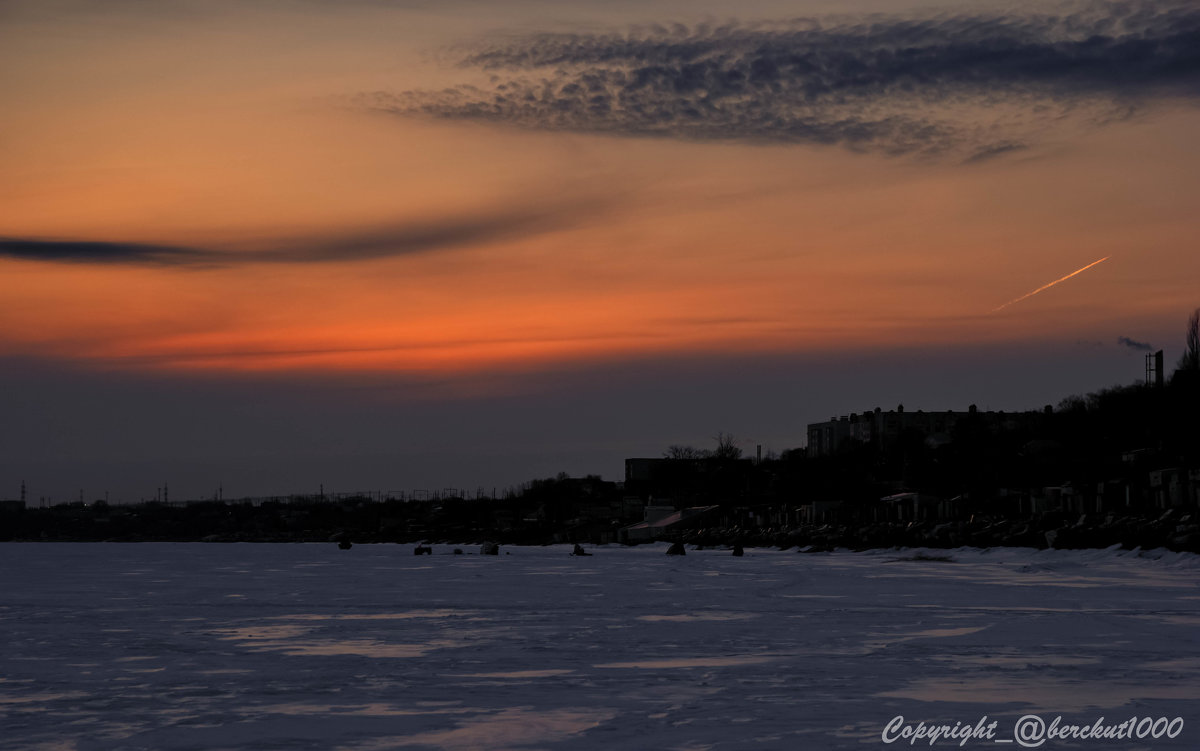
point(1191, 350)
point(686, 453)
point(727, 447)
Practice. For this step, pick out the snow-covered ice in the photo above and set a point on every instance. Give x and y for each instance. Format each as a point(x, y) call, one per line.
point(277, 646)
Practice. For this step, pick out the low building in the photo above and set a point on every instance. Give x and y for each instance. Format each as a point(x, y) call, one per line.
point(659, 524)
point(910, 506)
point(884, 429)
point(1169, 487)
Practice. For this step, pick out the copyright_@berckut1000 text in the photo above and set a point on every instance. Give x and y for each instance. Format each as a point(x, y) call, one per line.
point(1031, 731)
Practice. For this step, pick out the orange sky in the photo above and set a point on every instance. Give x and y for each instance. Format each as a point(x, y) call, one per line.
point(235, 131)
point(207, 133)
point(793, 247)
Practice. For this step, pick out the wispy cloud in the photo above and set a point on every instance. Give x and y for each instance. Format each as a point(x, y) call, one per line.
point(411, 238)
point(94, 252)
point(977, 84)
point(387, 241)
point(1134, 344)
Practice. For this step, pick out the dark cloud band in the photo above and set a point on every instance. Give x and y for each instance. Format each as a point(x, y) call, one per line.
point(972, 82)
point(375, 243)
point(83, 251)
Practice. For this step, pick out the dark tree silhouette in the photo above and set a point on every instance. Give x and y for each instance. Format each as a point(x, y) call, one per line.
point(684, 453)
point(1191, 351)
point(727, 447)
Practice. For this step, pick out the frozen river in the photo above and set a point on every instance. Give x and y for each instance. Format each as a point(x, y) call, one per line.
point(212, 646)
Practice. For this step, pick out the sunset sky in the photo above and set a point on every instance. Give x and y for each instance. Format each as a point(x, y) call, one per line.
point(395, 244)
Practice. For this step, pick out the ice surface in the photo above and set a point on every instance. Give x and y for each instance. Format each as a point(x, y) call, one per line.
point(241, 646)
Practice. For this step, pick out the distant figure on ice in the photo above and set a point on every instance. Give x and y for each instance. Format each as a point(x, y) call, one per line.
point(344, 545)
point(579, 550)
point(423, 550)
point(489, 548)
point(737, 550)
point(676, 549)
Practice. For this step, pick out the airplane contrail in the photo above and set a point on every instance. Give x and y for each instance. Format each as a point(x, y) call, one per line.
point(1051, 284)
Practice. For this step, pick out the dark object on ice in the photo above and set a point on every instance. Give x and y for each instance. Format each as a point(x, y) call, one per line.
point(579, 550)
point(458, 551)
point(489, 548)
point(345, 545)
point(737, 550)
point(676, 549)
point(926, 557)
point(423, 550)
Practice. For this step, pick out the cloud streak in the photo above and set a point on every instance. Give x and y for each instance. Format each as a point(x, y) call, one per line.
point(976, 84)
point(389, 241)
